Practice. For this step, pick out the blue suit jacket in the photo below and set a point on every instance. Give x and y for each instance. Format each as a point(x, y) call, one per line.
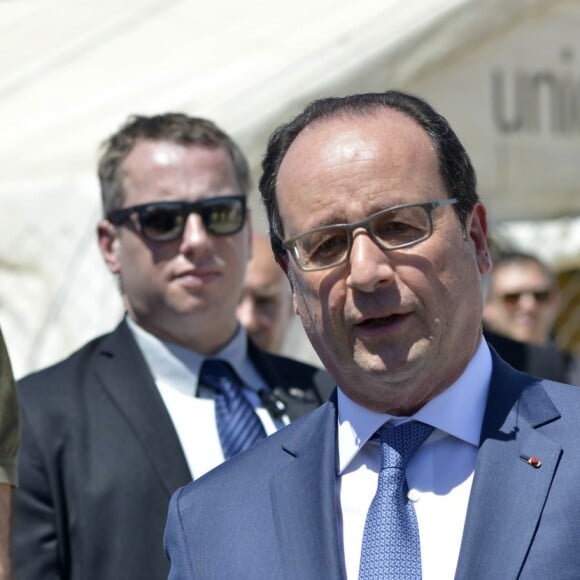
point(271, 513)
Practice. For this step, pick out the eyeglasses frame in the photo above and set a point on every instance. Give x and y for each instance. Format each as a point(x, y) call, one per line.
point(290, 244)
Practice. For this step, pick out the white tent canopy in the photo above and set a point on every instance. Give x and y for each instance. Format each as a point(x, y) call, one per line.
point(506, 74)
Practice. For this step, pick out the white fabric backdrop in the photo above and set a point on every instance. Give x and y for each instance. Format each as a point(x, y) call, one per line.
point(71, 72)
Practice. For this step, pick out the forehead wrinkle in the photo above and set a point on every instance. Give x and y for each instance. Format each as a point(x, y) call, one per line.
point(351, 187)
point(350, 159)
point(355, 198)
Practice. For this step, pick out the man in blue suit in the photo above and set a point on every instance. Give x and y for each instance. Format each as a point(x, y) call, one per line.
point(375, 218)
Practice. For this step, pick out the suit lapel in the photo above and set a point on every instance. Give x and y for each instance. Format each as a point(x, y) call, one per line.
point(125, 377)
point(508, 493)
point(303, 496)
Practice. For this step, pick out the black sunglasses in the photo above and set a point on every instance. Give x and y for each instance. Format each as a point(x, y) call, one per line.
point(540, 296)
point(164, 221)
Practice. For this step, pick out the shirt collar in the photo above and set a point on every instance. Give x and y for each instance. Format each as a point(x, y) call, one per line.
point(457, 411)
point(178, 367)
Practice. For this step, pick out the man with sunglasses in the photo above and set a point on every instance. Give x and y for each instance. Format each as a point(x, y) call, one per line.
point(112, 431)
point(522, 301)
point(434, 458)
point(520, 308)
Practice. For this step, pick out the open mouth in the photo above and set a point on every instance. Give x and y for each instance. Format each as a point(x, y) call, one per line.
point(382, 321)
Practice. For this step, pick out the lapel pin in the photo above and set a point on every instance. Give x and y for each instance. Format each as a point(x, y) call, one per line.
point(301, 395)
point(533, 461)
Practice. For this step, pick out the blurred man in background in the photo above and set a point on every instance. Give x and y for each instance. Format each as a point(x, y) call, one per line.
point(519, 312)
point(523, 301)
point(265, 309)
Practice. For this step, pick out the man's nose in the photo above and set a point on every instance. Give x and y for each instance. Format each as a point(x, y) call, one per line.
point(528, 301)
point(369, 264)
point(194, 233)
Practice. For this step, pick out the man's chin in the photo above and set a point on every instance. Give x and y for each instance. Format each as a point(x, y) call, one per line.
point(394, 364)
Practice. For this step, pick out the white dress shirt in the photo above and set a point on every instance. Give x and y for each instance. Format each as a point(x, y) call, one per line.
point(439, 475)
point(175, 370)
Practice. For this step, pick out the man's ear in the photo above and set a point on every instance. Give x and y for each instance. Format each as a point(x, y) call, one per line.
point(477, 232)
point(284, 265)
point(109, 245)
point(295, 305)
point(290, 276)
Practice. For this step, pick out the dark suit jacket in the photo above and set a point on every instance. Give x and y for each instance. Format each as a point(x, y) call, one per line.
point(272, 512)
point(100, 459)
point(541, 360)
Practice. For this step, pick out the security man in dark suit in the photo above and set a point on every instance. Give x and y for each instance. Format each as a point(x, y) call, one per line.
point(112, 431)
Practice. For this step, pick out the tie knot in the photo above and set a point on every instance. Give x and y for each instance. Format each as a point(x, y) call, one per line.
point(398, 444)
point(237, 423)
point(219, 375)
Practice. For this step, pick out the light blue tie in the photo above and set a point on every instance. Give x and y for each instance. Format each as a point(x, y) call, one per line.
point(391, 549)
point(238, 425)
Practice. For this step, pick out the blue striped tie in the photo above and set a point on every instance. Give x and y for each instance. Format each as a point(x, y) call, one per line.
point(238, 425)
point(391, 549)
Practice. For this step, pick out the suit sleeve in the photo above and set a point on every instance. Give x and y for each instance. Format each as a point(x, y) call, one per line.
point(176, 543)
point(34, 534)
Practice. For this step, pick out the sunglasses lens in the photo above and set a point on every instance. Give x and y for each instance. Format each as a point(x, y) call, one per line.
point(511, 298)
point(223, 217)
point(540, 296)
point(162, 223)
point(165, 221)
